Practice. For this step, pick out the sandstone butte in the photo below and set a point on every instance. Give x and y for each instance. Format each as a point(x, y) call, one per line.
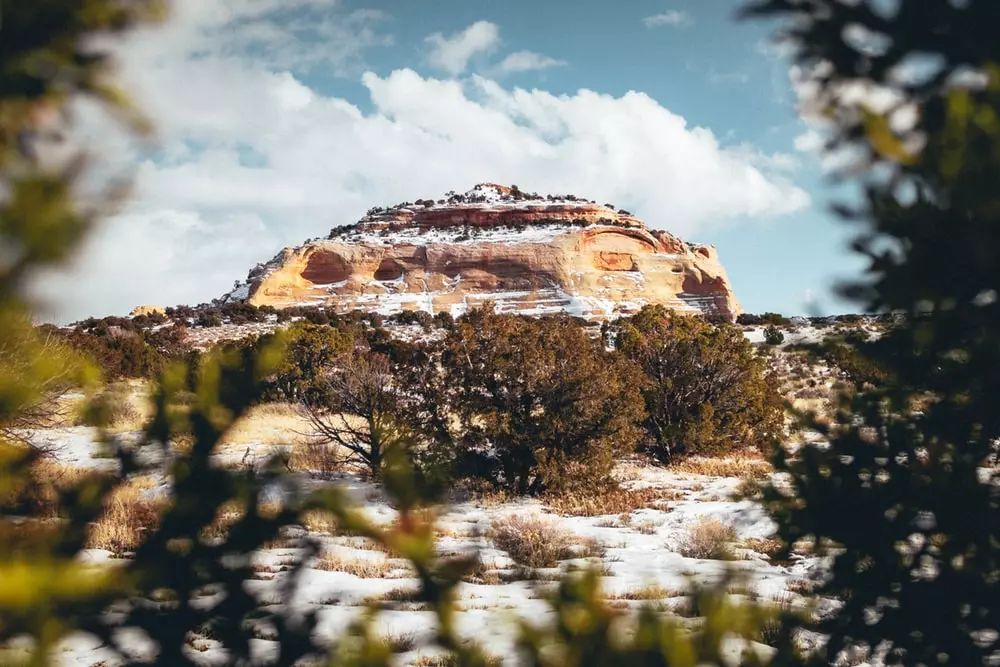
point(526, 253)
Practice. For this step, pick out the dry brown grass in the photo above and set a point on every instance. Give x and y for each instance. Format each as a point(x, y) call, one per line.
point(490, 573)
point(319, 458)
point(453, 532)
point(651, 592)
point(270, 424)
point(768, 546)
point(127, 406)
point(538, 542)
point(646, 527)
point(230, 513)
point(129, 514)
point(710, 539)
point(449, 660)
point(481, 493)
point(405, 594)
point(746, 465)
point(319, 521)
point(365, 568)
point(610, 500)
point(801, 586)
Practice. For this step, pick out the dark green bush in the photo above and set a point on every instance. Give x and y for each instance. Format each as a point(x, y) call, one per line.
point(530, 404)
point(773, 335)
point(764, 318)
point(706, 392)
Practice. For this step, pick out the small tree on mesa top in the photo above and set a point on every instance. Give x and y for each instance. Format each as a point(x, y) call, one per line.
point(707, 390)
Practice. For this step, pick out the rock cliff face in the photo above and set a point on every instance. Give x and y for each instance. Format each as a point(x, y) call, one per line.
point(526, 253)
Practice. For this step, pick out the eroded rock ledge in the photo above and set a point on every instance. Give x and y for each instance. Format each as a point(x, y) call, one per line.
point(526, 253)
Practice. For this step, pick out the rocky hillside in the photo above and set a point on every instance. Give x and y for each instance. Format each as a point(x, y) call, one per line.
point(525, 252)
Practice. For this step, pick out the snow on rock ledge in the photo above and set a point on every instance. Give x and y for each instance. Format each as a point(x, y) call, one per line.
point(524, 252)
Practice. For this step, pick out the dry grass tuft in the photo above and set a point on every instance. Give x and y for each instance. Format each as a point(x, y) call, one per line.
point(365, 568)
point(492, 574)
point(801, 586)
point(129, 513)
point(538, 542)
point(611, 500)
point(747, 465)
point(318, 458)
point(768, 546)
point(646, 527)
point(319, 521)
point(449, 660)
point(270, 424)
point(710, 539)
point(399, 643)
point(652, 592)
point(402, 594)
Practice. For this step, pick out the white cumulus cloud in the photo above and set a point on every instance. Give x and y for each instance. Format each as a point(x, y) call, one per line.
point(527, 61)
point(452, 53)
point(671, 17)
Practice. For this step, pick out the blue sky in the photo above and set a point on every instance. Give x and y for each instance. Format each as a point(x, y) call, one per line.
point(280, 119)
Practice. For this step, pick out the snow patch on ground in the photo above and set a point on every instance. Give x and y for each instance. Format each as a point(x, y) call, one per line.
point(640, 549)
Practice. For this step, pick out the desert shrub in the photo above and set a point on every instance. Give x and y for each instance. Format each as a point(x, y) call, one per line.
point(709, 539)
point(532, 404)
point(773, 319)
point(773, 335)
point(359, 417)
point(311, 350)
point(120, 353)
point(421, 317)
point(130, 513)
point(854, 358)
point(39, 403)
point(316, 456)
point(115, 409)
point(533, 541)
point(707, 390)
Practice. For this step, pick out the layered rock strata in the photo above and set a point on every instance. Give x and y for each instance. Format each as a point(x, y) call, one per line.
point(525, 253)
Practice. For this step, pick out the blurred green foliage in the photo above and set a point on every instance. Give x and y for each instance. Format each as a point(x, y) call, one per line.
point(906, 498)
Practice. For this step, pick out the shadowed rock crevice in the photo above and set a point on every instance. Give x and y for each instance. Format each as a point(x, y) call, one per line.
point(326, 268)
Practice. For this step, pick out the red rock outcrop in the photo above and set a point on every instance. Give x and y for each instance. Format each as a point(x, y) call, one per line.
point(525, 253)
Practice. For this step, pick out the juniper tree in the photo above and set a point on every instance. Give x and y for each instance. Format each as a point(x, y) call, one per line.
point(707, 390)
point(539, 404)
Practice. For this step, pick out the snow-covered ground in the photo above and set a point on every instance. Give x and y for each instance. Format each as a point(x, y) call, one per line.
point(637, 550)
